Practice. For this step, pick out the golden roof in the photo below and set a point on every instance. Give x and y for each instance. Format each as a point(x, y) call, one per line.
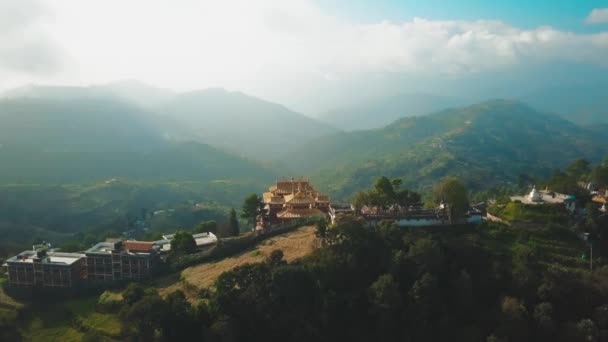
point(322, 198)
point(269, 198)
point(599, 199)
point(299, 198)
point(294, 213)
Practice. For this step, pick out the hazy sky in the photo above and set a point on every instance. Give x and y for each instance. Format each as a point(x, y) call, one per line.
point(292, 50)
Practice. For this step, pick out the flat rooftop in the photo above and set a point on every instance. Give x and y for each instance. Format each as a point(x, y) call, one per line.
point(56, 258)
point(201, 239)
point(101, 248)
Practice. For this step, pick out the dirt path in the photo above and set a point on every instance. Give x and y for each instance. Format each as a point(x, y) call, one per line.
point(294, 245)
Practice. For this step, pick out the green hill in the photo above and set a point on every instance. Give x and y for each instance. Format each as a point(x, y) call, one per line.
point(582, 104)
point(381, 112)
point(485, 144)
point(87, 139)
point(243, 124)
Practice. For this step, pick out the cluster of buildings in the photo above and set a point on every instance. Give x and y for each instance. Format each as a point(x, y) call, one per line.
point(411, 216)
point(291, 199)
point(286, 200)
point(111, 261)
point(536, 197)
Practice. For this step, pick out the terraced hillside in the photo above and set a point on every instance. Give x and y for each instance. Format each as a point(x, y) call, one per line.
point(294, 245)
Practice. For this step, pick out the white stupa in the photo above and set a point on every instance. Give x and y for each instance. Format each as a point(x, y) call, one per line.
point(535, 196)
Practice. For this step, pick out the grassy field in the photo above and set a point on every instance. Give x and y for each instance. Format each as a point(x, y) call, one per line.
point(294, 245)
point(68, 321)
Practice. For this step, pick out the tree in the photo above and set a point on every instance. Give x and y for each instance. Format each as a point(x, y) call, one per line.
point(233, 223)
point(206, 227)
point(384, 193)
point(179, 323)
point(275, 258)
point(384, 293)
point(600, 174)
point(579, 168)
point(384, 187)
point(133, 293)
point(144, 317)
point(452, 192)
point(183, 243)
point(321, 229)
point(250, 208)
point(545, 325)
point(586, 331)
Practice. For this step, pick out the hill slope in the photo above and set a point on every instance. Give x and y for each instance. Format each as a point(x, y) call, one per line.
point(75, 140)
point(243, 124)
point(381, 112)
point(581, 104)
point(485, 144)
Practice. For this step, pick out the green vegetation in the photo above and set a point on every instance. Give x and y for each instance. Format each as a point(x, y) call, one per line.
point(76, 216)
point(452, 192)
point(250, 208)
point(385, 193)
point(533, 213)
point(69, 321)
point(183, 243)
point(492, 282)
point(486, 145)
point(233, 223)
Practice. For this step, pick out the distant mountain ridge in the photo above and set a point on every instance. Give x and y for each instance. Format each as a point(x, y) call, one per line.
point(231, 121)
point(86, 139)
point(243, 124)
point(381, 112)
point(486, 144)
point(582, 104)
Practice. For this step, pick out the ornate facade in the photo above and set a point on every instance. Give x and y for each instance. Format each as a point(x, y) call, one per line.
point(292, 199)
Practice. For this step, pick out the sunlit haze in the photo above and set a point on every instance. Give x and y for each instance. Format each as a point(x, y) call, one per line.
point(306, 54)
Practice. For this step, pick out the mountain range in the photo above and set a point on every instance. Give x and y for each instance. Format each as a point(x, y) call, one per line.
point(383, 111)
point(486, 144)
point(81, 134)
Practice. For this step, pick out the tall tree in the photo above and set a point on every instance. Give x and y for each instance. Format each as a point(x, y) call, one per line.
point(579, 168)
point(452, 192)
point(206, 227)
point(233, 223)
point(250, 208)
point(183, 243)
point(600, 174)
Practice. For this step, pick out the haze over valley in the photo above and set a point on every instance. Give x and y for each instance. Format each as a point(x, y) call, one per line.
point(417, 171)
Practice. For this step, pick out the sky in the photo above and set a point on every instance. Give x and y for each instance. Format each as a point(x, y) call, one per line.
point(308, 54)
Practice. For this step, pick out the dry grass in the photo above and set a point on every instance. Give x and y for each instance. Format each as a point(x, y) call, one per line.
point(294, 245)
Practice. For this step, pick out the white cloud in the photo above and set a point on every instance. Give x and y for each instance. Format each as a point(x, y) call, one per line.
point(598, 16)
point(25, 47)
point(273, 47)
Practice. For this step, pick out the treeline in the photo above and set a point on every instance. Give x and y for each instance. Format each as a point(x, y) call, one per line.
point(386, 284)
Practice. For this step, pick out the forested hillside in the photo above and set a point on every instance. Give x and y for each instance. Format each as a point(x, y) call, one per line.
point(381, 112)
point(581, 104)
point(485, 144)
point(243, 124)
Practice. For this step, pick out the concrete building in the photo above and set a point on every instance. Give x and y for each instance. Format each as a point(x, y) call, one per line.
point(203, 240)
point(41, 269)
point(123, 260)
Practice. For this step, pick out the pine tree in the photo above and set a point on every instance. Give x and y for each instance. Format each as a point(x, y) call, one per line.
point(233, 223)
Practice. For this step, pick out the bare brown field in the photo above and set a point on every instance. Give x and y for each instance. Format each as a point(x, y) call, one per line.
point(294, 245)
